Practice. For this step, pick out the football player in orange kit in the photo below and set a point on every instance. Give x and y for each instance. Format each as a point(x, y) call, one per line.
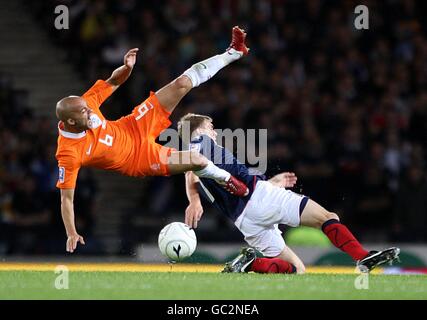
point(128, 145)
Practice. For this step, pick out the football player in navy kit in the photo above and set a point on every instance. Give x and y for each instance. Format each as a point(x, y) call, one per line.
point(267, 205)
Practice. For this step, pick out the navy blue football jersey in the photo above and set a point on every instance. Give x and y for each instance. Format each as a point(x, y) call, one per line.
point(232, 206)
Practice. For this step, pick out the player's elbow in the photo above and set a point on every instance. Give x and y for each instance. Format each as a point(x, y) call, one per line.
point(113, 81)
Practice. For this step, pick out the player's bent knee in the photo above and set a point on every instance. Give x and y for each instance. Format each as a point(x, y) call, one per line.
point(332, 215)
point(198, 161)
point(183, 82)
point(326, 216)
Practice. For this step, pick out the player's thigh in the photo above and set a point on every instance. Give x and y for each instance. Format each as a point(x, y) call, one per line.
point(314, 215)
point(153, 160)
point(150, 117)
point(273, 205)
point(288, 255)
point(171, 94)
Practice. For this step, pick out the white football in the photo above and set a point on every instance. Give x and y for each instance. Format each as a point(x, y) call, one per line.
point(177, 241)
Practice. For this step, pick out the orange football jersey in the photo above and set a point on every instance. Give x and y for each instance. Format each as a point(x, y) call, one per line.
point(126, 145)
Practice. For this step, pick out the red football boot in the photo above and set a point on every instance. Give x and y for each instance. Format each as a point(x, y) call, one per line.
point(238, 41)
point(236, 187)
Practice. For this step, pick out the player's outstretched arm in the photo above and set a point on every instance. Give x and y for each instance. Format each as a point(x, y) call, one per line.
point(67, 211)
point(121, 74)
point(194, 211)
point(284, 180)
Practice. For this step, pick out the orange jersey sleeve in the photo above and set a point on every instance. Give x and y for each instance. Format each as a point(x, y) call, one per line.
point(68, 168)
point(97, 94)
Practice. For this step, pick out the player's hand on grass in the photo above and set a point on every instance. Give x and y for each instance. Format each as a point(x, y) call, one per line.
point(193, 214)
point(72, 242)
point(284, 180)
point(130, 58)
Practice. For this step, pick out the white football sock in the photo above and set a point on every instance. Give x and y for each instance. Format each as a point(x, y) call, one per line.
point(204, 70)
point(211, 171)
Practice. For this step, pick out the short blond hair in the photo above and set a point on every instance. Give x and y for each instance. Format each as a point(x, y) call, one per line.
point(195, 121)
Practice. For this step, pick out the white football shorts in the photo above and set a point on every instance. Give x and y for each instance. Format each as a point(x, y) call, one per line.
point(269, 206)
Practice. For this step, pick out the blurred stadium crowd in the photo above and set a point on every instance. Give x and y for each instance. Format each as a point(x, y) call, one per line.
point(345, 109)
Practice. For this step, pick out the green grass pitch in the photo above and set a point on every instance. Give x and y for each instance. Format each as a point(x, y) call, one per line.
point(201, 286)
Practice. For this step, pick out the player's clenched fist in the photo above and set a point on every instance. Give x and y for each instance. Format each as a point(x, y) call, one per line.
point(72, 242)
